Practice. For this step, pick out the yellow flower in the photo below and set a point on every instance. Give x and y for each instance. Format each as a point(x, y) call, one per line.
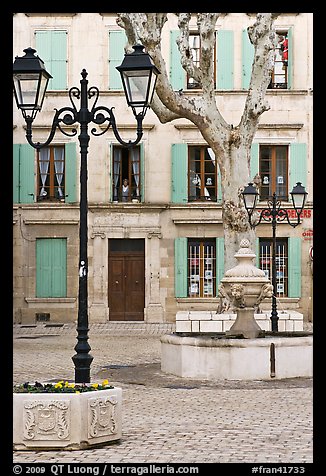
point(77, 392)
point(58, 385)
point(94, 385)
point(105, 382)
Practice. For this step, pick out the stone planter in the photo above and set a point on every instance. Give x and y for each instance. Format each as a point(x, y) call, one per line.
point(44, 421)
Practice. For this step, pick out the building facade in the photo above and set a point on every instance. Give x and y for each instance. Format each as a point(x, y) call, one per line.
point(155, 241)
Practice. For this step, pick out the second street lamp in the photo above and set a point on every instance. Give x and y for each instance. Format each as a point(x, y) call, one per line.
point(274, 214)
point(30, 82)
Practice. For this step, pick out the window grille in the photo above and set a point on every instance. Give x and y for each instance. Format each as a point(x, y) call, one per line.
point(201, 268)
point(281, 262)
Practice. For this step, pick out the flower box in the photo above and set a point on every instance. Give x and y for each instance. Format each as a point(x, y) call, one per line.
point(66, 420)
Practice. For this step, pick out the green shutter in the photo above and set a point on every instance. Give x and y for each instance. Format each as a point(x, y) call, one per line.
point(142, 172)
point(180, 267)
point(59, 268)
point(51, 267)
point(225, 59)
point(179, 173)
point(117, 42)
point(51, 47)
point(177, 73)
point(294, 267)
point(16, 173)
point(290, 58)
point(219, 184)
point(247, 51)
point(254, 160)
point(257, 241)
point(298, 164)
point(219, 261)
point(59, 60)
point(27, 174)
point(70, 172)
point(111, 175)
point(43, 267)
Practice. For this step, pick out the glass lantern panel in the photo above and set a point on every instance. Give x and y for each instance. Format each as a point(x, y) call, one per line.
point(26, 87)
point(136, 86)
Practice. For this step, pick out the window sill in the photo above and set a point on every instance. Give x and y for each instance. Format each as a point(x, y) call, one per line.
point(36, 303)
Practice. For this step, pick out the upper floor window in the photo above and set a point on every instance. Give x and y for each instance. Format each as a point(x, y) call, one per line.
point(194, 43)
point(279, 79)
point(51, 173)
point(126, 174)
point(202, 175)
point(273, 170)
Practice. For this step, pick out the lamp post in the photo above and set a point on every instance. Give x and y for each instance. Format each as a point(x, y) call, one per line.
point(274, 214)
point(138, 74)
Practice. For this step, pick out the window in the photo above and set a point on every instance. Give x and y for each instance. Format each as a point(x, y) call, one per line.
point(281, 261)
point(273, 170)
point(50, 173)
point(279, 79)
point(201, 268)
point(194, 43)
point(51, 267)
point(202, 175)
point(126, 174)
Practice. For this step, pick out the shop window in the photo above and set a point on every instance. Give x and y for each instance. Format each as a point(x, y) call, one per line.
point(201, 268)
point(273, 170)
point(51, 174)
point(126, 174)
point(281, 261)
point(279, 79)
point(202, 174)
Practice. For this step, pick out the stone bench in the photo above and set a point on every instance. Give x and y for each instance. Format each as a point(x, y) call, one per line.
point(211, 321)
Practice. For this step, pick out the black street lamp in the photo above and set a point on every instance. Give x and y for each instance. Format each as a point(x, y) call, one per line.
point(274, 214)
point(138, 74)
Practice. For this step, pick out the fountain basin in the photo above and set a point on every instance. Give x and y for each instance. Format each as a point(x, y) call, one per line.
point(213, 357)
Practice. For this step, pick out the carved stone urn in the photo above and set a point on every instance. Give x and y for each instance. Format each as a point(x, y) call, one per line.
point(66, 421)
point(246, 286)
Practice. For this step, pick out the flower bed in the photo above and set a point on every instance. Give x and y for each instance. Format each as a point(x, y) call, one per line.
point(65, 415)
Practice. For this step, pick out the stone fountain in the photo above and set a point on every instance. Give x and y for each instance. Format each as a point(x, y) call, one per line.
point(245, 351)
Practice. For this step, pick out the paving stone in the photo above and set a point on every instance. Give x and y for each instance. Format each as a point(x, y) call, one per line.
point(166, 418)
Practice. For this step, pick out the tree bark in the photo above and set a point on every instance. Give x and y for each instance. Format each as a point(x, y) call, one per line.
point(230, 144)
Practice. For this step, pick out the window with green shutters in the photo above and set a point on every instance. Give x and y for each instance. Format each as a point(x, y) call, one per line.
point(117, 43)
point(280, 169)
point(223, 57)
point(127, 163)
point(288, 264)
point(27, 175)
point(282, 73)
point(199, 266)
point(195, 174)
point(51, 267)
point(51, 47)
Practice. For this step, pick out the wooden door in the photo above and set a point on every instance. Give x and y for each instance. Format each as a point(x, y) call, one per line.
point(126, 291)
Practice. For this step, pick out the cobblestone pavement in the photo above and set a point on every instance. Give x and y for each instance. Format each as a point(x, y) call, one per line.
point(167, 419)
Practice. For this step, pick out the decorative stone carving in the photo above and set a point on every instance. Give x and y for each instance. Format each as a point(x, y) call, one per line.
point(245, 286)
point(101, 416)
point(42, 419)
